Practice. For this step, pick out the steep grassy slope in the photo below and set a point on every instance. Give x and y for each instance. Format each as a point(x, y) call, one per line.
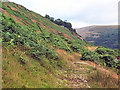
point(27, 17)
point(31, 74)
point(35, 74)
point(37, 52)
point(29, 48)
point(106, 36)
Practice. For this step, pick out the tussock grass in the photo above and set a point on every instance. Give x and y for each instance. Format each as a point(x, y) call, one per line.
point(100, 80)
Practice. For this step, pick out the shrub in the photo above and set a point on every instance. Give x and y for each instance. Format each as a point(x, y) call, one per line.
point(102, 51)
point(117, 66)
point(51, 54)
point(68, 40)
point(6, 37)
point(77, 47)
point(42, 52)
point(58, 42)
point(90, 55)
point(108, 59)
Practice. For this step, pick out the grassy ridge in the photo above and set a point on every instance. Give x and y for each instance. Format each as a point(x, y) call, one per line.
point(31, 18)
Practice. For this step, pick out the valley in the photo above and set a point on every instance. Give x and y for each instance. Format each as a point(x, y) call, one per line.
point(106, 35)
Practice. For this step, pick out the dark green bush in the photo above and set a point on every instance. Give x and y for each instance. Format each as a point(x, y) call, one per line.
point(76, 47)
point(102, 51)
point(90, 55)
point(44, 52)
point(108, 59)
point(60, 43)
point(117, 65)
point(68, 40)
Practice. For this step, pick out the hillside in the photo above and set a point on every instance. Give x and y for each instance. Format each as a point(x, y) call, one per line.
point(37, 53)
point(106, 36)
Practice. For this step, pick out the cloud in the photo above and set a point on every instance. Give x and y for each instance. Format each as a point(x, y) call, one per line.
point(80, 12)
point(78, 24)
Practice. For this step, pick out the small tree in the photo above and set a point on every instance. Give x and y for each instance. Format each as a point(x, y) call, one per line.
point(47, 16)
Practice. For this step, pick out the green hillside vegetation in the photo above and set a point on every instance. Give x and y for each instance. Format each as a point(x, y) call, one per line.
point(107, 39)
point(106, 36)
point(30, 50)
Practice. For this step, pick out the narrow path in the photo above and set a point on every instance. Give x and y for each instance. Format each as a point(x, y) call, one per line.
point(100, 68)
point(77, 74)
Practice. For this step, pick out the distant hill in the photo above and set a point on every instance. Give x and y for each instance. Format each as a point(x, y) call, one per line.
point(106, 36)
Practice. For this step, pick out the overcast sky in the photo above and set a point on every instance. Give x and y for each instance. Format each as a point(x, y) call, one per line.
point(80, 13)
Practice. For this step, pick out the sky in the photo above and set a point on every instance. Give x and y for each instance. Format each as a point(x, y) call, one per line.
point(80, 13)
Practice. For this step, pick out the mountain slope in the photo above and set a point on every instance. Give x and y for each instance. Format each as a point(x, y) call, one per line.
point(27, 17)
point(106, 36)
point(38, 53)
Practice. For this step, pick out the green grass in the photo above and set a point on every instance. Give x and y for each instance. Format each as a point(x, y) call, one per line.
point(45, 22)
point(31, 74)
